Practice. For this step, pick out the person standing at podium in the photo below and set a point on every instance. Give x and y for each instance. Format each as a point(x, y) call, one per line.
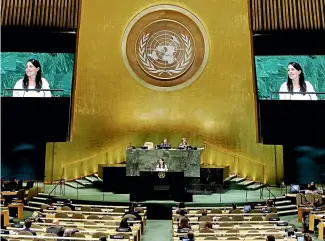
point(165, 144)
point(296, 85)
point(183, 144)
point(161, 166)
point(32, 80)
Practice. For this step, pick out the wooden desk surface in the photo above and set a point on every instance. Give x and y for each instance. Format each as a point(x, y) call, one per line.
point(8, 193)
point(5, 213)
point(238, 233)
point(26, 237)
point(224, 214)
point(239, 227)
point(321, 230)
point(105, 212)
point(302, 210)
point(240, 238)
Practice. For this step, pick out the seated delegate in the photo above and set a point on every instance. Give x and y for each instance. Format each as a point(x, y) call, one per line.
point(165, 144)
point(184, 144)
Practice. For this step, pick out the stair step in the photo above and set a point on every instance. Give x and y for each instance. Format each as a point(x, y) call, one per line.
point(84, 182)
point(276, 198)
point(255, 186)
point(33, 203)
point(291, 206)
point(74, 185)
point(282, 202)
point(285, 212)
point(92, 179)
point(231, 177)
point(238, 179)
point(43, 194)
point(32, 208)
point(246, 183)
point(40, 199)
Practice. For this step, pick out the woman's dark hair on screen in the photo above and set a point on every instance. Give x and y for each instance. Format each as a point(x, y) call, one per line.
point(302, 82)
point(38, 78)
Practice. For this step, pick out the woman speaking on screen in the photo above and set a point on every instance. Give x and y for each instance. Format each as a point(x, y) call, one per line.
point(32, 84)
point(296, 85)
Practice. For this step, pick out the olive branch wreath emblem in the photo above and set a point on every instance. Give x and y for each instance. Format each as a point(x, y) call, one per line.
point(152, 69)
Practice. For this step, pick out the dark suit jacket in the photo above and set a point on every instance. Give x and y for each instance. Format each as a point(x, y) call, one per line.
point(28, 230)
point(58, 230)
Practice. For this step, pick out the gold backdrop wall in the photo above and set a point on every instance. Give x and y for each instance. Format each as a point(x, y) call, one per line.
point(111, 110)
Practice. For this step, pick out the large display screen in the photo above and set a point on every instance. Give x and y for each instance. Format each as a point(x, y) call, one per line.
point(304, 164)
point(36, 74)
point(290, 77)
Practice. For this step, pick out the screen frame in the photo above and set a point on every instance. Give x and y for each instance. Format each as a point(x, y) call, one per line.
point(280, 43)
point(45, 40)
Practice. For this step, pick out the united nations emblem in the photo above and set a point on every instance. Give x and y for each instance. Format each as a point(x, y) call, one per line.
point(165, 47)
point(167, 53)
point(161, 175)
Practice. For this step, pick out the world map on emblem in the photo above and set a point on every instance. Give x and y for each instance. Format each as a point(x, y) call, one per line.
point(167, 53)
point(165, 47)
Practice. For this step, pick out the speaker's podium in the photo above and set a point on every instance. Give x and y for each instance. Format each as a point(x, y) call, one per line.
point(159, 185)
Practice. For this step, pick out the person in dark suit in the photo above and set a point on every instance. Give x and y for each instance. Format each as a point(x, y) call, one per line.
point(165, 144)
point(190, 236)
point(3, 186)
point(28, 224)
point(56, 228)
point(13, 185)
point(124, 226)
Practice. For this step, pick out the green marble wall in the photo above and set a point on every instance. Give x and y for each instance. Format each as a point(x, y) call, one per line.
point(177, 160)
point(57, 69)
point(272, 71)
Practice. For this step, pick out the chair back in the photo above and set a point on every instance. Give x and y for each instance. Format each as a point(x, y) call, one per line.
point(78, 235)
point(66, 208)
point(256, 211)
point(118, 210)
point(25, 233)
point(310, 197)
point(319, 197)
point(78, 216)
point(130, 216)
point(216, 211)
point(237, 218)
point(205, 218)
point(98, 235)
point(224, 219)
point(256, 218)
point(61, 215)
point(85, 209)
point(93, 217)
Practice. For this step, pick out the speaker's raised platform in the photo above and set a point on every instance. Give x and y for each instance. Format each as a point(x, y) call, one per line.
point(115, 179)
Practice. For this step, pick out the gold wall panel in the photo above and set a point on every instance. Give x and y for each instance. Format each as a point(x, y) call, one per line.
point(269, 15)
point(112, 110)
point(40, 13)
